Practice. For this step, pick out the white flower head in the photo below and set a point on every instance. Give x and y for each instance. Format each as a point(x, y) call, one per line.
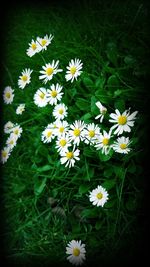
point(121, 146)
point(8, 95)
point(102, 111)
point(69, 157)
point(34, 47)
point(54, 94)
point(5, 153)
point(91, 133)
point(24, 78)
point(49, 70)
point(60, 111)
point(11, 141)
point(98, 196)
point(40, 97)
point(76, 251)
point(104, 142)
point(76, 133)
point(17, 131)
point(48, 134)
point(123, 122)
point(20, 109)
point(63, 143)
point(61, 127)
point(73, 70)
point(44, 42)
point(8, 127)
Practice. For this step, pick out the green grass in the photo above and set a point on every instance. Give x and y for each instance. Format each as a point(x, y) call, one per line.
point(45, 204)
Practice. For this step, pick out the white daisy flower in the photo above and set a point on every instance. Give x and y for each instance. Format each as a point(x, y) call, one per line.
point(91, 133)
point(44, 42)
point(104, 142)
point(54, 94)
point(102, 111)
point(76, 251)
point(98, 196)
point(60, 111)
point(76, 133)
point(73, 70)
point(34, 47)
point(5, 153)
point(11, 141)
point(48, 134)
point(123, 121)
point(24, 78)
point(8, 95)
point(8, 127)
point(69, 157)
point(61, 127)
point(17, 131)
point(49, 70)
point(40, 97)
point(121, 146)
point(63, 143)
point(20, 109)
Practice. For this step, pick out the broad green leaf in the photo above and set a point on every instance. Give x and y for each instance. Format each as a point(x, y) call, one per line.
point(120, 105)
point(113, 82)
point(129, 60)
point(88, 82)
point(39, 185)
point(99, 84)
point(90, 213)
point(109, 184)
point(83, 188)
point(44, 168)
point(82, 104)
point(104, 157)
point(86, 118)
point(112, 52)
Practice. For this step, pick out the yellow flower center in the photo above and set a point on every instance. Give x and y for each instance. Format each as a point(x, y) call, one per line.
point(76, 252)
point(4, 154)
point(69, 155)
point(33, 46)
point(24, 78)
point(73, 70)
point(91, 133)
point(99, 195)
point(49, 134)
point(54, 93)
point(16, 131)
point(49, 71)
point(43, 42)
point(62, 142)
point(61, 111)
point(11, 142)
point(8, 94)
point(42, 95)
point(105, 141)
point(61, 129)
point(122, 120)
point(123, 146)
point(76, 132)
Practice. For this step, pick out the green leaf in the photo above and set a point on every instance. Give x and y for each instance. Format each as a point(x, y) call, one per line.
point(104, 157)
point(82, 104)
point(90, 213)
point(83, 188)
point(88, 82)
point(119, 171)
point(39, 185)
point(113, 82)
point(120, 105)
point(129, 60)
point(18, 188)
point(98, 225)
point(112, 52)
point(109, 184)
point(86, 118)
point(44, 168)
point(99, 84)
point(94, 108)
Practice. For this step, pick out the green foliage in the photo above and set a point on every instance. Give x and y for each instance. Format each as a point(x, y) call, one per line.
point(46, 204)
